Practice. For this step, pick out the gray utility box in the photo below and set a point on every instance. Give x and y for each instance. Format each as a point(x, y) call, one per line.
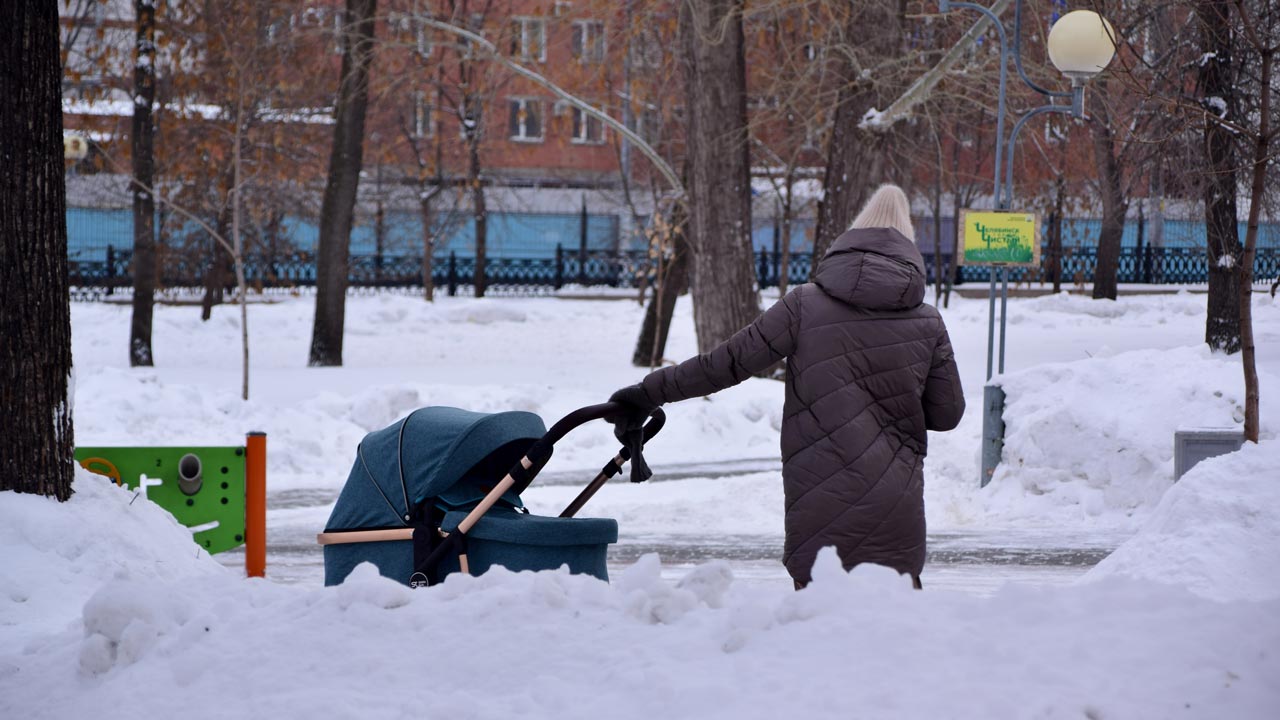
point(1192, 445)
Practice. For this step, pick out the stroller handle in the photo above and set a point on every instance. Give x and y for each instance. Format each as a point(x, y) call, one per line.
point(523, 472)
point(541, 450)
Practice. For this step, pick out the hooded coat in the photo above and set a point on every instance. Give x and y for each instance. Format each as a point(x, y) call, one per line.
point(869, 369)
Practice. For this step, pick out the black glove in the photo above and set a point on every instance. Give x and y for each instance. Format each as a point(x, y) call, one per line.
point(628, 426)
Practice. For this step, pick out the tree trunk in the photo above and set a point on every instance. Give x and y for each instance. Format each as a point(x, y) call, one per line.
point(1256, 194)
point(724, 279)
point(144, 204)
point(1055, 232)
point(215, 278)
point(338, 206)
point(1114, 204)
point(672, 281)
point(481, 216)
point(428, 246)
point(788, 212)
point(855, 157)
point(237, 247)
point(937, 221)
point(36, 439)
point(1222, 326)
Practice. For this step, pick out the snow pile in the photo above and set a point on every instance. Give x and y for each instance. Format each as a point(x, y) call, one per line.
point(554, 645)
point(56, 554)
point(1096, 435)
point(1052, 311)
point(1216, 531)
point(486, 313)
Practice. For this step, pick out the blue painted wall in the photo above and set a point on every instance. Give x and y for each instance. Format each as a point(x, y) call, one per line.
point(530, 235)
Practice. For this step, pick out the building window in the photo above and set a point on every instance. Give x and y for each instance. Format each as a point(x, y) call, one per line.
point(587, 129)
point(470, 119)
point(529, 38)
point(645, 52)
point(422, 37)
point(649, 125)
point(339, 29)
point(525, 122)
point(423, 123)
point(587, 41)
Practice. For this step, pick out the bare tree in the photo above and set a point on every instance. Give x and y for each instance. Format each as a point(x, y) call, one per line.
point(719, 181)
point(1217, 85)
point(144, 166)
point(36, 435)
point(345, 161)
point(1262, 34)
point(855, 156)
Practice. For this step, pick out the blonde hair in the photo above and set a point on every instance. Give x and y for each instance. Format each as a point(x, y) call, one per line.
point(888, 208)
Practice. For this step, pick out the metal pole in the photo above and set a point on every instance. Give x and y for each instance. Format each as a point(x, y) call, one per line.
point(1004, 305)
point(991, 322)
point(1000, 98)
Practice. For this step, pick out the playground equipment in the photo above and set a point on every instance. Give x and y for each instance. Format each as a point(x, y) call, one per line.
point(219, 493)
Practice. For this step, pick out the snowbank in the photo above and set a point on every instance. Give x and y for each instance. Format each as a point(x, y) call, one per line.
point(1215, 532)
point(1094, 437)
point(56, 554)
point(1096, 390)
point(184, 639)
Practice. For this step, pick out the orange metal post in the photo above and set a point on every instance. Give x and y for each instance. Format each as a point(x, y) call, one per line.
point(255, 504)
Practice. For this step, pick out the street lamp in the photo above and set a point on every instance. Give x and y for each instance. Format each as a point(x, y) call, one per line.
point(74, 147)
point(1081, 45)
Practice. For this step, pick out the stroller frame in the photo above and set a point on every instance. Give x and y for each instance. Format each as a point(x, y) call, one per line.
point(517, 478)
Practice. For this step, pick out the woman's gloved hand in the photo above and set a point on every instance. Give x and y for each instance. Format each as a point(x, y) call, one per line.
point(628, 426)
point(636, 397)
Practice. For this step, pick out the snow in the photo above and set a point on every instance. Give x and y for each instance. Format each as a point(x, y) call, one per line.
point(151, 643)
point(1215, 532)
point(873, 119)
point(106, 608)
point(1218, 104)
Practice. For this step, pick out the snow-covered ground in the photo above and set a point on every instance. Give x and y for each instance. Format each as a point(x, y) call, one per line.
point(106, 608)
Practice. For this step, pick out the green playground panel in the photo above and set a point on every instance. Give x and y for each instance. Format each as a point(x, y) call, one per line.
point(220, 499)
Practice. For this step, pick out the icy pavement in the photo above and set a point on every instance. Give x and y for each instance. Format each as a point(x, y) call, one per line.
point(976, 561)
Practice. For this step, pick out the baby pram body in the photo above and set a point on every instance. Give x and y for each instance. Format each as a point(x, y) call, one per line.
point(439, 492)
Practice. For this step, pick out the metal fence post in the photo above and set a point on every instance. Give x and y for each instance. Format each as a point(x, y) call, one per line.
point(558, 282)
point(453, 273)
point(111, 268)
point(763, 270)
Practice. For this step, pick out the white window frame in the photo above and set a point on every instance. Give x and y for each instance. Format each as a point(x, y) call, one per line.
point(592, 33)
point(424, 125)
point(584, 121)
point(644, 53)
point(525, 103)
point(525, 25)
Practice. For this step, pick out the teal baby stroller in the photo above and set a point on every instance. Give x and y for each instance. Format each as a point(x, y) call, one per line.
point(439, 492)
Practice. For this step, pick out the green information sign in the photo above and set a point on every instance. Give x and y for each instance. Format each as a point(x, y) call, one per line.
point(203, 487)
point(999, 238)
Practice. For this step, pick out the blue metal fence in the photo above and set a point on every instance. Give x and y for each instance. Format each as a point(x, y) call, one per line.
point(603, 268)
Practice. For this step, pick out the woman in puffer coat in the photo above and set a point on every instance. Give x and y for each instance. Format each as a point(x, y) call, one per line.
point(869, 370)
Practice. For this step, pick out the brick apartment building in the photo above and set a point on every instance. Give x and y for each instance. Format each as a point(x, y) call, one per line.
point(539, 158)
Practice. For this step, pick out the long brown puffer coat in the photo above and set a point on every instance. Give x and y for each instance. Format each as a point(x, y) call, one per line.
point(869, 370)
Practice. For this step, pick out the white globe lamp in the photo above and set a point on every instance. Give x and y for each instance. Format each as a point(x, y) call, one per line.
point(74, 146)
point(1081, 45)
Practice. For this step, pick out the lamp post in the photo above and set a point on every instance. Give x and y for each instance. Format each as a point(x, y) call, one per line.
point(74, 148)
point(1081, 45)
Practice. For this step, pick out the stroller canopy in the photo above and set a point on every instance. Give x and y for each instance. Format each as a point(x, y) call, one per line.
point(450, 455)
